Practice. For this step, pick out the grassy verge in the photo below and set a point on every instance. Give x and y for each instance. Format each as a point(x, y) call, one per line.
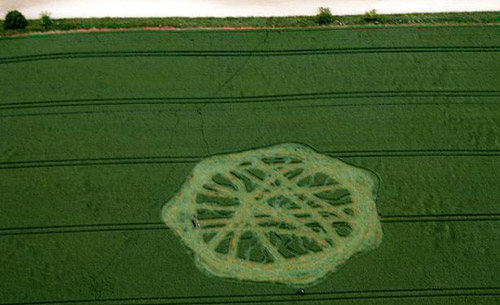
point(257, 22)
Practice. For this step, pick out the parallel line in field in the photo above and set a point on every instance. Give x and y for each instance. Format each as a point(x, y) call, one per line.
point(86, 228)
point(412, 153)
point(260, 99)
point(136, 111)
point(195, 159)
point(246, 53)
point(439, 218)
point(290, 297)
point(99, 161)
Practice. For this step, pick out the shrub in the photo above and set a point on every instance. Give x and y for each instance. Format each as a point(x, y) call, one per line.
point(324, 16)
point(14, 20)
point(371, 16)
point(46, 21)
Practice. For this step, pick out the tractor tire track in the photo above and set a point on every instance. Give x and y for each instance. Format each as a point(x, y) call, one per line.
point(284, 298)
point(245, 53)
point(114, 227)
point(195, 159)
point(267, 99)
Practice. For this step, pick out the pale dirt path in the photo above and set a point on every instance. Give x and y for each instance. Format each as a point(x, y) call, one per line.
point(223, 8)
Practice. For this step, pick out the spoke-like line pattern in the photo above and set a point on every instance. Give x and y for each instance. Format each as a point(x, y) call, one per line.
point(294, 220)
point(325, 225)
point(216, 229)
point(234, 241)
point(321, 220)
point(319, 238)
point(293, 195)
point(318, 189)
point(273, 185)
point(230, 208)
point(299, 223)
point(277, 230)
point(298, 176)
point(214, 242)
point(211, 193)
point(284, 180)
point(222, 191)
point(260, 183)
point(236, 182)
point(270, 247)
point(270, 211)
point(339, 217)
point(217, 221)
point(327, 207)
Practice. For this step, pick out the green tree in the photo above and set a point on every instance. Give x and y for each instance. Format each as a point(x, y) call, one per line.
point(46, 21)
point(371, 16)
point(14, 20)
point(324, 16)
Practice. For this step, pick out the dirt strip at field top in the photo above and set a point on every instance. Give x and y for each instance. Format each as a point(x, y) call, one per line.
point(99, 129)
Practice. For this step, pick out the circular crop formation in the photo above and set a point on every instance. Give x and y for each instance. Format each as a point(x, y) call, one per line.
point(282, 214)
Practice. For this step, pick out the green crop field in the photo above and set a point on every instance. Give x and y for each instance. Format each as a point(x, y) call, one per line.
point(99, 130)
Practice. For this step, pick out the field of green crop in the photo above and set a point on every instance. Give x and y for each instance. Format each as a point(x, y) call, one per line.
point(99, 130)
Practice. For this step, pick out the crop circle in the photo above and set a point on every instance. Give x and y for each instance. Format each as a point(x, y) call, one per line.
point(282, 214)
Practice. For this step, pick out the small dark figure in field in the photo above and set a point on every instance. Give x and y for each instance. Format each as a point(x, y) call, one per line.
point(300, 292)
point(193, 221)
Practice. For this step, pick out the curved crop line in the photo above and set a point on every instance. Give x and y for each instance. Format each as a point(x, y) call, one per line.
point(245, 53)
point(195, 159)
point(86, 228)
point(387, 293)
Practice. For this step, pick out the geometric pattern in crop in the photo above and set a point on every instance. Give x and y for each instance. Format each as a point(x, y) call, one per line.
point(284, 214)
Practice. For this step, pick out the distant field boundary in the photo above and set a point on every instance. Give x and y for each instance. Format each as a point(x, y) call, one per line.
point(249, 23)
